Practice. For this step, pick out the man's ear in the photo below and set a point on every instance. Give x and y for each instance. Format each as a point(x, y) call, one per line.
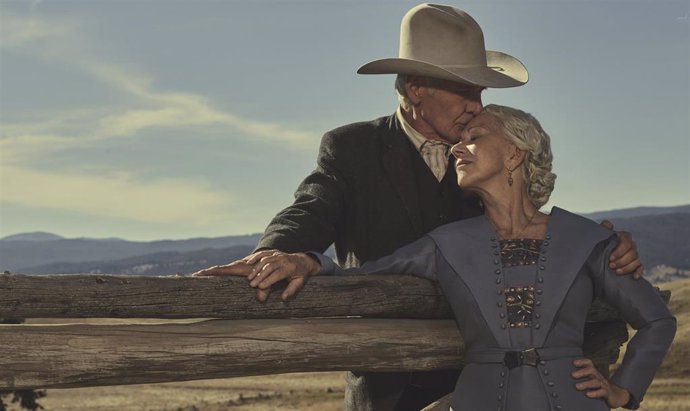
point(413, 89)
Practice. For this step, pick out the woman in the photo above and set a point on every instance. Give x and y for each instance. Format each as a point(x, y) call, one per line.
point(520, 282)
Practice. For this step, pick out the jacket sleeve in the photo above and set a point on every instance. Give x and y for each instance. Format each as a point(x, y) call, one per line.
point(417, 258)
point(317, 214)
point(641, 306)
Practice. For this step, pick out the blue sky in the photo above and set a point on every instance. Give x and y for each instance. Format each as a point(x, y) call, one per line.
point(173, 119)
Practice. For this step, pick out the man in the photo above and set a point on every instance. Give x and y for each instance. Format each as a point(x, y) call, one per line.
point(382, 184)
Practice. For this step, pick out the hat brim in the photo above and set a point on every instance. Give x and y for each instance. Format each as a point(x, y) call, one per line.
point(502, 70)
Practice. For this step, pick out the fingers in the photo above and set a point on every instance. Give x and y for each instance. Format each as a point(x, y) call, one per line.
point(639, 271)
point(624, 258)
point(607, 224)
point(253, 258)
point(238, 268)
point(595, 385)
point(294, 285)
point(600, 393)
point(625, 244)
point(262, 295)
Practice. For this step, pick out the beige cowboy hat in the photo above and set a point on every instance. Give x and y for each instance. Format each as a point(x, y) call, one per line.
point(446, 43)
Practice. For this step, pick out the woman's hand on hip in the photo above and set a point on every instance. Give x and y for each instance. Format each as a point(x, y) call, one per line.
point(597, 386)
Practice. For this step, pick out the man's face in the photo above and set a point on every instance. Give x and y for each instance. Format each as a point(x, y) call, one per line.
point(444, 108)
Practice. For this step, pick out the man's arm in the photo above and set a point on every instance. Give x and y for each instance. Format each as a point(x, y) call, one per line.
point(311, 223)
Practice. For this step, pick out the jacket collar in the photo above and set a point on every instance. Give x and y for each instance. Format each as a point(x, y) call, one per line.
point(471, 248)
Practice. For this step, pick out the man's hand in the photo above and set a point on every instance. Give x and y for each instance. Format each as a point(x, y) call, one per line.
point(271, 266)
point(624, 258)
point(596, 386)
point(239, 268)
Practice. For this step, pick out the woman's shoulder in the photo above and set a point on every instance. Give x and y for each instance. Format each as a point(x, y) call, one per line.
point(567, 222)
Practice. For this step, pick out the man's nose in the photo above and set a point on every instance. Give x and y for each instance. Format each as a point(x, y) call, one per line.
point(474, 106)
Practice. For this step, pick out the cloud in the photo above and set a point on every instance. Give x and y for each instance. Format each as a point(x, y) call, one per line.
point(65, 43)
point(118, 195)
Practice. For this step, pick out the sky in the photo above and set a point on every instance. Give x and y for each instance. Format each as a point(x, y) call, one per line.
point(154, 119)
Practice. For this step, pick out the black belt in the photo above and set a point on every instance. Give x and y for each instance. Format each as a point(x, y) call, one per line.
point(512, 359)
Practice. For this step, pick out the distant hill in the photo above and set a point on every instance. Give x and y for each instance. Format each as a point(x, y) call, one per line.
point(35, 236)
point(636, 212)
point(662, 236)
point(19, 255)
point(156, 264)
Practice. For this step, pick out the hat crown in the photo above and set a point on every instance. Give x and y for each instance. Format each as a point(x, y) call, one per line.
point(442, 35)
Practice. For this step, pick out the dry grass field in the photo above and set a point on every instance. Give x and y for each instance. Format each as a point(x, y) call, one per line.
point(323, 391)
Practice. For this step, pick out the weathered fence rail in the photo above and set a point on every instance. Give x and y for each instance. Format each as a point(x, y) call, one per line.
point(406, 325)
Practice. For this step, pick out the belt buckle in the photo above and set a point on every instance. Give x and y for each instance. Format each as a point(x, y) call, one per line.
point(514, 359)
point(530, 356)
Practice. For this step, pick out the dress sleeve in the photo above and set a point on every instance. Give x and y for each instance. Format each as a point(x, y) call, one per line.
point(417, 258)
point(317, 214)
point(641, 306)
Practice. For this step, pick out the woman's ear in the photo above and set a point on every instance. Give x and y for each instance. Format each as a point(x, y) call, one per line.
point(515, 157)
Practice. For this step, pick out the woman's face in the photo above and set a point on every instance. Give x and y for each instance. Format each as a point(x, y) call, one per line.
point(482, 154)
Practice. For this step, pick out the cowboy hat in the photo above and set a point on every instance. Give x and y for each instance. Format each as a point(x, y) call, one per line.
point(446, 43)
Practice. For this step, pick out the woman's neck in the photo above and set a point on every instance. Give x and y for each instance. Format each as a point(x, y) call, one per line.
point(514, 216)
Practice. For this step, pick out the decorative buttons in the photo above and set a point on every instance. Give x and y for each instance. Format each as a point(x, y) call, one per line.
point(503, 373)
point(542, 362)
point(500, 385)
point(550, 383)
point(541, 267)
point(540, 279)
point(498, 280)
point(540, 291)
point(537, 315)
point(503, 326)
point(548, 236)
point(537, 303)
point(537, 326)
point(500, 397)
point(554, 394)
point(500, 303)
point(546, 372)
point(496, 261)
point(502, 315)
point(497, 271)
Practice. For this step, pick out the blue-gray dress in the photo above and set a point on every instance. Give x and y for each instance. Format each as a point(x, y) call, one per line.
point(522, 314)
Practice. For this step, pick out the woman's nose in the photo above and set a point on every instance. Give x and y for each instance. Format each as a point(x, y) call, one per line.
point(458, 150)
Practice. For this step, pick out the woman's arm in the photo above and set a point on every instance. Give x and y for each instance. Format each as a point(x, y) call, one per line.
point(641, 306)
point(269, 267)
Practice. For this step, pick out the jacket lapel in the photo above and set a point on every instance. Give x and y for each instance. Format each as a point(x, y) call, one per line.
point(569, 242)
point(471, 248)
point(397, 160)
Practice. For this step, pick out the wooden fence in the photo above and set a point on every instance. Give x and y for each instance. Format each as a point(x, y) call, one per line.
point(214, 328)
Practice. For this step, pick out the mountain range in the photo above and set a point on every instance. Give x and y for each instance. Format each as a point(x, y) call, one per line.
point(661, 233)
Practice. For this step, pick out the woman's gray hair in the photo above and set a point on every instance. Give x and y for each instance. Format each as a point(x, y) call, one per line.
point(523, 130)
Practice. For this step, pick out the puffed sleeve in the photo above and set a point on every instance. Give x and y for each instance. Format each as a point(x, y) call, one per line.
point(641, 306)
point(417, 258)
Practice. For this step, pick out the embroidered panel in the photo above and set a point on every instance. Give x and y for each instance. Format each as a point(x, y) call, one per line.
point(519, 252)
point(520, 305)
